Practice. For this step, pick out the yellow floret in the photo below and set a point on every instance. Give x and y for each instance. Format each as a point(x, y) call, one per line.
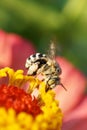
point(17, 78)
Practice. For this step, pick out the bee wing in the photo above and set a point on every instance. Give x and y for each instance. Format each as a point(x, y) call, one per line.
point(52, 50)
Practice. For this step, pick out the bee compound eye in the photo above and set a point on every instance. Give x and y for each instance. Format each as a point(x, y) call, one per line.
point(59, 70)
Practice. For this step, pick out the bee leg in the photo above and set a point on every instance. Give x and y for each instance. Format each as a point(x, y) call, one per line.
point(48, 84)
point(47, 88)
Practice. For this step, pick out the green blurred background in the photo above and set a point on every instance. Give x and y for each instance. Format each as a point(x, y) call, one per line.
point(40, 20)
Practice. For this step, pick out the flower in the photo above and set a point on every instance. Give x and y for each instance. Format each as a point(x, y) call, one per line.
point(22, 111)
point(73, 102)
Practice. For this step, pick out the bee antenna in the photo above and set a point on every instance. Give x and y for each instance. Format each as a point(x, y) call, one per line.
point(63, 86)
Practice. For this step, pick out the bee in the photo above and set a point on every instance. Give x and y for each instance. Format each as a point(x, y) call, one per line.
point(47, 66)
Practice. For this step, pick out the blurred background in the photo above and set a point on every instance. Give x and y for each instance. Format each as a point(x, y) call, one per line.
point(41, 20)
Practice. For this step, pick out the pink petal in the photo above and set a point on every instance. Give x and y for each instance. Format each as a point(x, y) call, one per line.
point(75, 83)
point(77, 119)
point(14, 50)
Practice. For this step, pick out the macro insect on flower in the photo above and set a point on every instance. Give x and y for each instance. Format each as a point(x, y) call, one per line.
point(47, 66)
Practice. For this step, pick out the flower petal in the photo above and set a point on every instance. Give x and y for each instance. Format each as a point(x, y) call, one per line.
point(14, 50)
point(75, 83)
point(77, 119)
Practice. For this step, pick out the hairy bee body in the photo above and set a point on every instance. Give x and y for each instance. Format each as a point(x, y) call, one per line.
point(49, 68)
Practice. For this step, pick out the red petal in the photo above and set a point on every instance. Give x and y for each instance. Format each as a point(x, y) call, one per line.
point(75, 83)
point(14, 50)
point(77, 119)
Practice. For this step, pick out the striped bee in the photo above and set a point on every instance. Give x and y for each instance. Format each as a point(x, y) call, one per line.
point(47, 66)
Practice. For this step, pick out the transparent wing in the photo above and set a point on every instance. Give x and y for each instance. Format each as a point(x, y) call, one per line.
point(52, 50)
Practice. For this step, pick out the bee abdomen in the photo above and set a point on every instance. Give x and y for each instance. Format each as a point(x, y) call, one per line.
point(35, 62)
